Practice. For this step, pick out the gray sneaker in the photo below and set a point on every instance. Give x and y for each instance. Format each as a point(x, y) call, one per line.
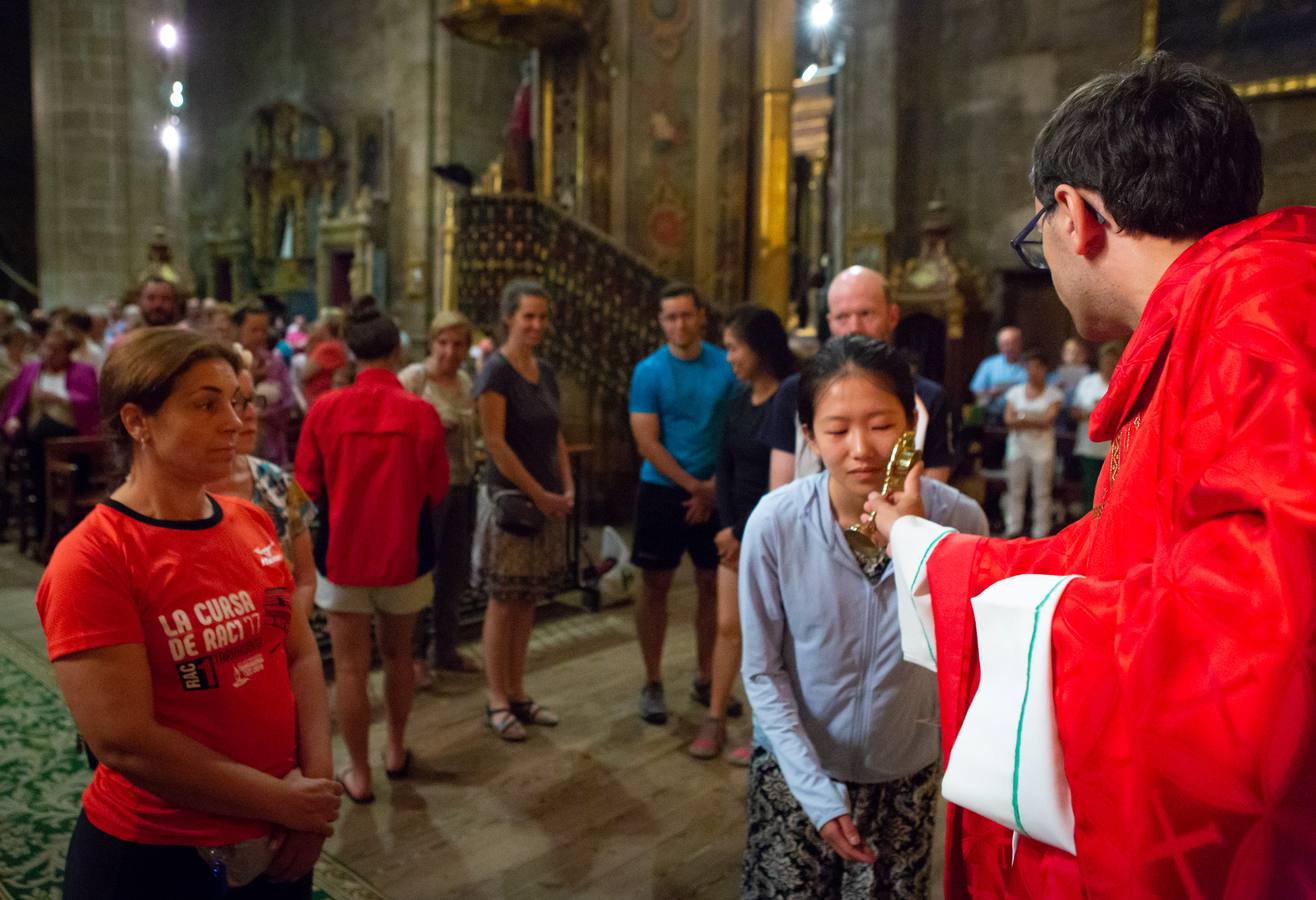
point(653, 709)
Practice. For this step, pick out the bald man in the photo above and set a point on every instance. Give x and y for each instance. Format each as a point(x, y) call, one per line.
point(998, 373)
point(857, 303)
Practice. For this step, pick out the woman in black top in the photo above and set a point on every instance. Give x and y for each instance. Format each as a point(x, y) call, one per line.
point(516, 563)
point(760, 356)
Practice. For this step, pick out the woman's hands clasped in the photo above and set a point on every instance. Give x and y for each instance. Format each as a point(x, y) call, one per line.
point(311, 804)
point(556, 505)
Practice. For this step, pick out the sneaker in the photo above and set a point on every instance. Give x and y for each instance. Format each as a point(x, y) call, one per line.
point(701, 692)
point(710, 739)
point(653, 708)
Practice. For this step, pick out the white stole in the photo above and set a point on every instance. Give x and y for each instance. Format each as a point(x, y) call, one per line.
point(1006, 763)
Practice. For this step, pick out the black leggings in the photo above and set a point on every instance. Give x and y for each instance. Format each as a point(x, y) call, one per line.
point(102, 867)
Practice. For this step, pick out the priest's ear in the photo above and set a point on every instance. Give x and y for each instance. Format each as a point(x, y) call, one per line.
point(1078, 222)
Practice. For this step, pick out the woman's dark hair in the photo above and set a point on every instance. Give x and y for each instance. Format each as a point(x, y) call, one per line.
point(510, 300)
point(760, 330)
point(857, 355)
point(1170, 148)
point(1035, 354)
point(143, 368)
point(370, 334)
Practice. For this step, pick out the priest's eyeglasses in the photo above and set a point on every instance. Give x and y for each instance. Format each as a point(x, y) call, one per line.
point(1029, 247)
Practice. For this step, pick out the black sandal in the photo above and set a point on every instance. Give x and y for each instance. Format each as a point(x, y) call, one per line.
point(360, 799)
point(508, 726)
point(531, 713)
point(401, 771)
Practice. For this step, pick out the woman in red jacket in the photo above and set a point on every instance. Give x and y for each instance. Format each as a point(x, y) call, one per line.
point(371, 457)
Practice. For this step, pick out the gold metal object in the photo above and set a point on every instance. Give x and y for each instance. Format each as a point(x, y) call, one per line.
point(904, 456)
point(520, 23)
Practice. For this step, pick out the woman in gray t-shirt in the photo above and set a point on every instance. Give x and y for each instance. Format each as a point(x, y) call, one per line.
point(517, 396)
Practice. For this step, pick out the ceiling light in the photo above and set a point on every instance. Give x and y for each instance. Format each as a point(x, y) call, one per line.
point(821, 13)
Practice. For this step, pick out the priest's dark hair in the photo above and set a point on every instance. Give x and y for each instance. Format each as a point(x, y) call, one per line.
point(1170, 148)
point(370, 334)
point(855, 354)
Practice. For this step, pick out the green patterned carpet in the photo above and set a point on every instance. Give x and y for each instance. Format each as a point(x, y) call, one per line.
point(41, 781)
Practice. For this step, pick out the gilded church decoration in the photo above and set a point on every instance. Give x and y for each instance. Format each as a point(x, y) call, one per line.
point(667, 22)
point(1264, 46)
point(515, 23)
point(291, 174)
point(665, 227)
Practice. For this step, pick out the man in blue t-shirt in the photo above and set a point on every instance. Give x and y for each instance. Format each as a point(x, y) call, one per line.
point(998, 373)
point(678, 399)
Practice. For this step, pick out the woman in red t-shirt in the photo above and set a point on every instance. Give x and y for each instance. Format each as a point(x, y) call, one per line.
point(169, 619)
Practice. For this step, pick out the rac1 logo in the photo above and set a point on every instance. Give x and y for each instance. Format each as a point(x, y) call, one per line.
point(198, 674)
point(268, 555)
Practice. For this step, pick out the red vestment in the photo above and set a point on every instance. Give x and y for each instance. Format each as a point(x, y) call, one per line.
point(1184, 659)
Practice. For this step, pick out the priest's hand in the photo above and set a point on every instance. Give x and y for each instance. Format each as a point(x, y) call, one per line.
point(885, 510)
point(844, 838)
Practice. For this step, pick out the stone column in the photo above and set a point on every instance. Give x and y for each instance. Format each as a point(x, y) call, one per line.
point(102, 175)
point(773, 79)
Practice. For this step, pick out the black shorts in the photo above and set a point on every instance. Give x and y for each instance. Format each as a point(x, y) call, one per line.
point(103, 867)
point(662, 536)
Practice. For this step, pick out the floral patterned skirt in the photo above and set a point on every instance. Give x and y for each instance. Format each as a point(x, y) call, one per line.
point(786, 857)
point(523, 569)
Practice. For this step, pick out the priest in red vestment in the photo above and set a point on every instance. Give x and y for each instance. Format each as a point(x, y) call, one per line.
point(1129, 707)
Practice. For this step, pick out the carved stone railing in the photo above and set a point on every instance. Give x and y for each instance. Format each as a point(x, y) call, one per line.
point(605, 299)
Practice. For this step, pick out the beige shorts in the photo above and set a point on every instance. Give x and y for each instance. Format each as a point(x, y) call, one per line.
point(398, 600)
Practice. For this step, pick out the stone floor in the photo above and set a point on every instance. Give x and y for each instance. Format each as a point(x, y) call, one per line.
point(602, 806)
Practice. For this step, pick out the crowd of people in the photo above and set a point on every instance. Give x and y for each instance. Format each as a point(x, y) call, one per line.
point(1040, 408)
point(177, 613)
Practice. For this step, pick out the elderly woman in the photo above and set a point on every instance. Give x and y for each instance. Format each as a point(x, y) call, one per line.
point(168, 619)
point(52, 397)
point(440, 381)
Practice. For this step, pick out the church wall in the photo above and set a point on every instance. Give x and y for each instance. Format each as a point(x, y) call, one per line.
point(347, 62)
point(975, 81)
point(102, 178)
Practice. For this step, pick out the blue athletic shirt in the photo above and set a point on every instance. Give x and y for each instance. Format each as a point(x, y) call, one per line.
point(690, 399)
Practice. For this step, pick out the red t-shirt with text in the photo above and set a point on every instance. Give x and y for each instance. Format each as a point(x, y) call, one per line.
point(211, 601)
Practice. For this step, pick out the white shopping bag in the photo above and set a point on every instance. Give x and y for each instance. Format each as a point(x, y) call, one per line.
point(621, 580)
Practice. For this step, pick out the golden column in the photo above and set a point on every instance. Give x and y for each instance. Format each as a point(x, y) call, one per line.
point(774, 74)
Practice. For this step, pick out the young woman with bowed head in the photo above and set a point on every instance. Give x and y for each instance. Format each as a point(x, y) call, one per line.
point(169, 619)
point(843, 779)
point(517, 397)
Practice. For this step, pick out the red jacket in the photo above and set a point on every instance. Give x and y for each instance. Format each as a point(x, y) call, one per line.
point(1185, 659)
point(371, 456)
